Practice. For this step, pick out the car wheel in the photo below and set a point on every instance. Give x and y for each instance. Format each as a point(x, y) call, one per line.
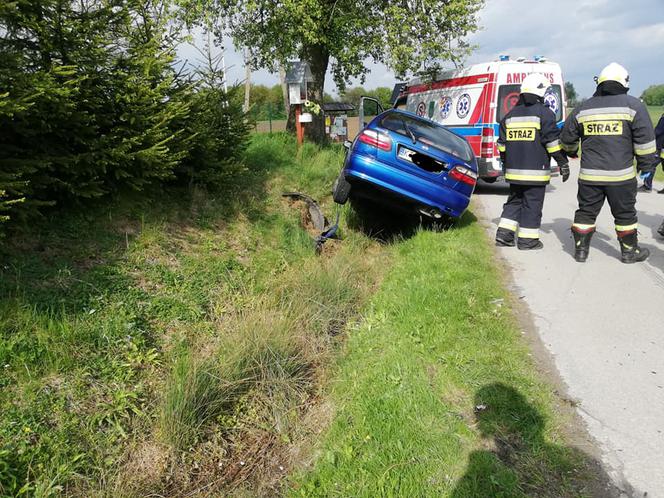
point(341, 190)
point(491, 179)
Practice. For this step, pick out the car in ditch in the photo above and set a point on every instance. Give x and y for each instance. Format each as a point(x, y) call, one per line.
point(408, 162)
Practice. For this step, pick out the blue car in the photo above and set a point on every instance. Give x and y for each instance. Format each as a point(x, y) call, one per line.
point(407, 162)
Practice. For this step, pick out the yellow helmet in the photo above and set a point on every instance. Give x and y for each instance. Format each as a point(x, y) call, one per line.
point(614, 72)
point(536, 84)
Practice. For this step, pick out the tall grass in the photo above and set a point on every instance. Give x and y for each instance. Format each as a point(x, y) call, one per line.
point(148, 345)
point(268, 352)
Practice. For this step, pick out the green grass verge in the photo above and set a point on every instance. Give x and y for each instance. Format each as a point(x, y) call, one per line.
point(436, 394)
point(151, 342)
point(655, 113)
point(187, 343)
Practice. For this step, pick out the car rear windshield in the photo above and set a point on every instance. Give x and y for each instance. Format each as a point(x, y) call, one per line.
point(428, 133)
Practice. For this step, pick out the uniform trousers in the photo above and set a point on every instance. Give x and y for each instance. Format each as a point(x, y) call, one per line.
point(522, 213)
point(621, 199)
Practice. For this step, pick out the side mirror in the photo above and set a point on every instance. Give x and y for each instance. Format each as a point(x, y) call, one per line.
point(348, 144)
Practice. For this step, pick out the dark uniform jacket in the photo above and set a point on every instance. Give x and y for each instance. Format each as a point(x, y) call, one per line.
point(528, 136)
point(612, 130)
point(659, 137)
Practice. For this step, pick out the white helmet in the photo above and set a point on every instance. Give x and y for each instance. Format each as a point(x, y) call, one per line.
point(536, 84)
point(614, 72)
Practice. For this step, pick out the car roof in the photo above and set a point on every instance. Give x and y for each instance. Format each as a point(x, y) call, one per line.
point(412, 115)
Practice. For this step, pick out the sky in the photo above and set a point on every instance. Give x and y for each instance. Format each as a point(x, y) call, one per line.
point(582, 35)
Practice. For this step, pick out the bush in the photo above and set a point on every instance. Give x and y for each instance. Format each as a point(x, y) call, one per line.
point(90, 103)
point(218, 134)
point(653, 95)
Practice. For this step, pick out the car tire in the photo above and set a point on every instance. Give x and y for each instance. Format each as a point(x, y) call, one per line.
point(341, 190)
point(492, 179)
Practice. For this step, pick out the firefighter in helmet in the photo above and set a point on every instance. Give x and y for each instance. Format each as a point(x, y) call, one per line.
point(613, 128)
point(528, 139)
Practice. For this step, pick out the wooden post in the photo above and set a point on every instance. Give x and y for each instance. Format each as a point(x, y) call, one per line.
point(299, 128)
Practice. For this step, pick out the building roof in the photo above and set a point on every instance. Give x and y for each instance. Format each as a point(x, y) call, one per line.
point(298, 72)
point(338, 107)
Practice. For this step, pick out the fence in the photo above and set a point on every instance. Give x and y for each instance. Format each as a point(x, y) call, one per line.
point(275, 126)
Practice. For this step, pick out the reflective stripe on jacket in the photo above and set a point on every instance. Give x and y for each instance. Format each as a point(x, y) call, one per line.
point(528, 135)
point(612, 131)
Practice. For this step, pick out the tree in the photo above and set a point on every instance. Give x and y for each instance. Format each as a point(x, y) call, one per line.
point(653, 95)
point(570, 93)
point(98, 77)
point(266, 102)
point(91, 102)
point(407, 36)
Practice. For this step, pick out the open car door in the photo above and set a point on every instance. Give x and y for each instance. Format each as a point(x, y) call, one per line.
point(368, 107)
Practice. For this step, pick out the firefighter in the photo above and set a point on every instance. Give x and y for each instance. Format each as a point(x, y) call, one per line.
point(659, 139)
point(528, 139)
point(612, 128)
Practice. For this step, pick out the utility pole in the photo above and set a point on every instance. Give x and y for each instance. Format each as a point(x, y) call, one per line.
point(247, 82)
point(284, 89)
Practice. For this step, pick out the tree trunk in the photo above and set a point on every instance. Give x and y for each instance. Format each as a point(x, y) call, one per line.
point(318, 58)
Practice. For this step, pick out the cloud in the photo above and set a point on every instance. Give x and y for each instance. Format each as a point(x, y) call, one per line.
point(582, 35)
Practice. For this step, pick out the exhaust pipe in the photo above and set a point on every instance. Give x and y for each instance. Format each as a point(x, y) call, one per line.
point(431, 213)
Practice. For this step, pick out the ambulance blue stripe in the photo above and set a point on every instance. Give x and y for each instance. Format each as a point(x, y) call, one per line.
point(474, 130)
point(471, 131)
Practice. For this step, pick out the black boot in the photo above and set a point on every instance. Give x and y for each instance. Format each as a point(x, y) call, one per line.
point(582, 244)
point(505, 238)
point(629, 246)
point(529, 244)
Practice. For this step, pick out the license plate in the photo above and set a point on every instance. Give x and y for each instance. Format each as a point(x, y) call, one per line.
point(406, 154)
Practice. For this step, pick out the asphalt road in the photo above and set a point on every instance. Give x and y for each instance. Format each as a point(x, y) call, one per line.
point(603, 323)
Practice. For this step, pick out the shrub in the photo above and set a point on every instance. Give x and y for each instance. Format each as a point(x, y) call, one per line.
point(90, 103)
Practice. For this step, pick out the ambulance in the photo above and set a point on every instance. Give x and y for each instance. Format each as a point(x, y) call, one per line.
point(471, 102)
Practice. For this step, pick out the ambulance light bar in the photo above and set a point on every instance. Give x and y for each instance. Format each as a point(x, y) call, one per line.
point(503, 57)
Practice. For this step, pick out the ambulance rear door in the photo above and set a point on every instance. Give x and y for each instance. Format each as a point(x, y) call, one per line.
point(510, 77)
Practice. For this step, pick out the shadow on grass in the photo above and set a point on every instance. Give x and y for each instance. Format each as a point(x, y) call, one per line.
point(388, 226)
point(520, 462)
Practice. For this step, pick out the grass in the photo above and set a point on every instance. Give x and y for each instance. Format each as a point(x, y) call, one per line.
point(436, 394)
point(186, 343)
point(655, 113)
point(170, 335)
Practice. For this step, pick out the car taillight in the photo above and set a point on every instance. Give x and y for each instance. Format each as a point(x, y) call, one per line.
point(463, 175)
point(488, 143)
point(376, 139)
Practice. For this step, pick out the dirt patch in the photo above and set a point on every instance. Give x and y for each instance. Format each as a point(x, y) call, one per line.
point(146, 466)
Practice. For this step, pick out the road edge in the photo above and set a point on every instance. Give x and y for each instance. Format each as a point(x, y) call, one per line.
point(606, 482)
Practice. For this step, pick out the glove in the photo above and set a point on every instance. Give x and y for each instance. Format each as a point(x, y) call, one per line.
point(564, 171)
point(644, 175)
